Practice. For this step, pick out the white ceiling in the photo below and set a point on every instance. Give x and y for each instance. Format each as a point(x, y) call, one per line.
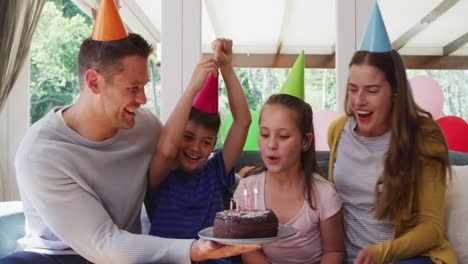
point(261, 26)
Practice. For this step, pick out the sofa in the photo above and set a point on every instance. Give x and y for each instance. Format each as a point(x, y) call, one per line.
point(12, 218)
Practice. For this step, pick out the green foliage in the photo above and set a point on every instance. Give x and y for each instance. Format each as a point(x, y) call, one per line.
point(69, 9)
point(260, 83)
point(54, 51)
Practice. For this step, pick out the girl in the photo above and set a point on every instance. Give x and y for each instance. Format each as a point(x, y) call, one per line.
point(288, 183)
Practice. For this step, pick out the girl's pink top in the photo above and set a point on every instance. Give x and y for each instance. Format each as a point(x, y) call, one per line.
point(306, 245)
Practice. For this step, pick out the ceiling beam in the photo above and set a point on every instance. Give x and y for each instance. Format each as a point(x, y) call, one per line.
point(455, 45)
point(436, 62)
point(328, 61)
point(422, 24)
point(279, 60)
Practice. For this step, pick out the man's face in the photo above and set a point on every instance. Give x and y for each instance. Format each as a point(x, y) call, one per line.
point(196, 146)
point(124, 92)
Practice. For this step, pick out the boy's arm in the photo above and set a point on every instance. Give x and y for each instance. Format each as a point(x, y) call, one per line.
point(238, 105)
point(173, 131)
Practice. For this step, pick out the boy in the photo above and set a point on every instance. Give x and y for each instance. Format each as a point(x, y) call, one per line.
point(188, 199)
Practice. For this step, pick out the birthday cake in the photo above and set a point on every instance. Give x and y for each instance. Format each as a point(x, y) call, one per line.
point(245, 224)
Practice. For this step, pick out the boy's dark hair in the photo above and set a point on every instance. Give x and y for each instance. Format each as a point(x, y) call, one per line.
point(206, 120)
point(105, 56)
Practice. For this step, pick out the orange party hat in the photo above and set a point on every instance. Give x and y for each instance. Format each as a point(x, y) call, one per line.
point(108, 25)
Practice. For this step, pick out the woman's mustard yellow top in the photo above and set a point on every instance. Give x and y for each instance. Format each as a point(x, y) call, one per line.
point(420, 229)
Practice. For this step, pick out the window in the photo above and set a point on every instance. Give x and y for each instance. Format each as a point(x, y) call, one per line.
point(153, 88)
point(54, 52)
point(454, 84)
point(54, 49)
point(260, 83)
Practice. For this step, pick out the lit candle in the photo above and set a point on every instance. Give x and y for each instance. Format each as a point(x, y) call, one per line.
point(246, 204)
point(237, 204)
point(255, 197)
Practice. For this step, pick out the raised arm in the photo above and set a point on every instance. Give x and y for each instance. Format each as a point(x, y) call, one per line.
point(173, 131)
point(238, 105)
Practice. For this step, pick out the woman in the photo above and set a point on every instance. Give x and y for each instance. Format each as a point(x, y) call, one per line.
point(389, 162)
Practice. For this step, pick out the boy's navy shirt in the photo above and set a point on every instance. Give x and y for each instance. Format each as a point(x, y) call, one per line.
point(185, 204)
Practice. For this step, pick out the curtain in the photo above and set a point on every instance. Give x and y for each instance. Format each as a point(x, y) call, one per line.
point(18, 20)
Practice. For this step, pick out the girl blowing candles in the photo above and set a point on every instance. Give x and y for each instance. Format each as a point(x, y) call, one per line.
point(288, 182)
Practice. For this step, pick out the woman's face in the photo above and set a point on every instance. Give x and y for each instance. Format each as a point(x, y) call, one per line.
point(370, 99)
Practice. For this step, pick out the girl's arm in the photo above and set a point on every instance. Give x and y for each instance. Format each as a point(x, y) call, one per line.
point(173, 130)
point(238, 105)
point(331, 233)
point(255, 257)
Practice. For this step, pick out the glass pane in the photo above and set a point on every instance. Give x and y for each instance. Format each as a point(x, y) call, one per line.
point(54, 52)
point(260, 83)
point(454, 84)
point(152, 88)
point(54, 49)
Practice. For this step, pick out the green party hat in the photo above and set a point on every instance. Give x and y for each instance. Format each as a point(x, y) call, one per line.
point(294, 85)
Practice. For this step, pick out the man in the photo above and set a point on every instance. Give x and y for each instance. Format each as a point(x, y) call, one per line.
point(82, 169)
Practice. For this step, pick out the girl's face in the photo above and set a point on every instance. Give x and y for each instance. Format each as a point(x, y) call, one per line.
point(370, 99)
point(280, 140)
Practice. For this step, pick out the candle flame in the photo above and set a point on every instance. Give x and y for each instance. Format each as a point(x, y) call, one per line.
point(245, 192)
point(255, 190)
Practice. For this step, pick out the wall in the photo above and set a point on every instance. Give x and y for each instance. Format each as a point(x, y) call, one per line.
point(14, 121)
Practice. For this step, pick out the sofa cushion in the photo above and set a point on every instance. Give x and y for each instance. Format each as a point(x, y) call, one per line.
point(458, 158)
point(456, 212)
point(11, 226)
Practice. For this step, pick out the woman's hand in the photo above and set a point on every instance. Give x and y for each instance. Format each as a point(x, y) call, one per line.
point(365, 257)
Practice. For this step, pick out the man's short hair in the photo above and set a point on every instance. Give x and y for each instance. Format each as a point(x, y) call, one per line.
point(105, 56)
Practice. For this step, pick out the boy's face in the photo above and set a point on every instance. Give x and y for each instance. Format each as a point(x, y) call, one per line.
point(196, 146)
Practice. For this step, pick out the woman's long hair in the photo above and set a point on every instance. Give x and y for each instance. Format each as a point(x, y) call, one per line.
point(304, 121)
point(409, 128)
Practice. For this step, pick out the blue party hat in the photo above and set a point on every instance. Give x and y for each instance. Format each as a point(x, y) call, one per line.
point(376, 37)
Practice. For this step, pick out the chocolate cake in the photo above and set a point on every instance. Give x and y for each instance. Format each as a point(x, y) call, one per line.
point(245, 224)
